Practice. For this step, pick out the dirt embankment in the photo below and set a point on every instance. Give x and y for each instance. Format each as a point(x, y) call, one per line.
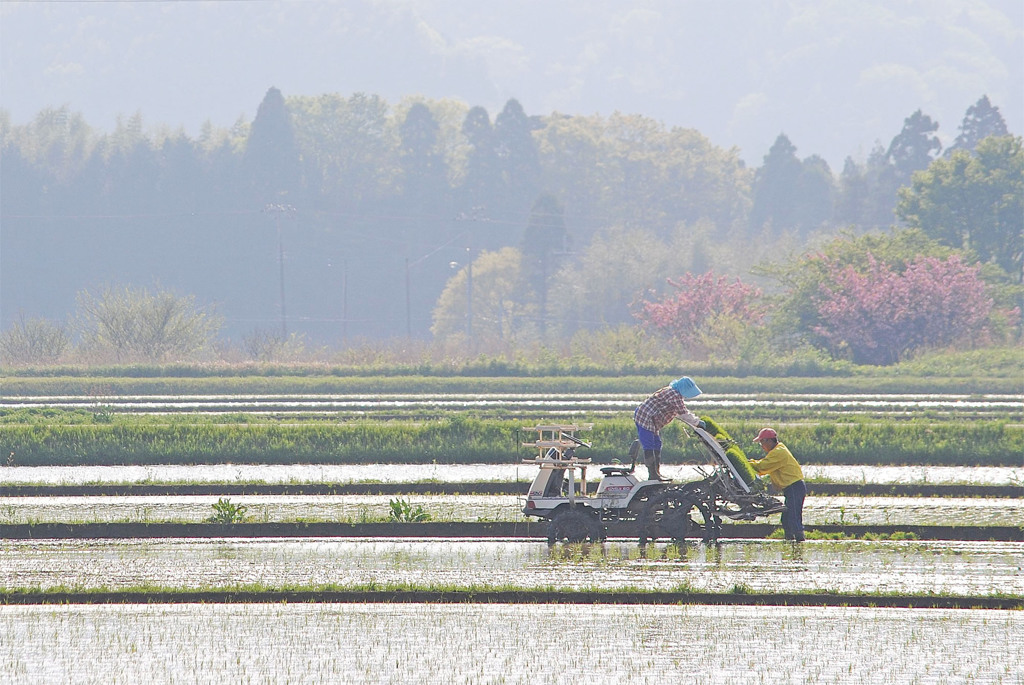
point(513, 597)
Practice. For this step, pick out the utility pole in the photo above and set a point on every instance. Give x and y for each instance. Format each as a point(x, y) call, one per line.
point(408, 280)
point(344, 301)
point(475, 214)
point(278, 211)
point(469, 294)
point(408, 303)
point(280, 264)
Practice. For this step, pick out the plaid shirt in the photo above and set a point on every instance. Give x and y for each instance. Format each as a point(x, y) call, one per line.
point(659, 409)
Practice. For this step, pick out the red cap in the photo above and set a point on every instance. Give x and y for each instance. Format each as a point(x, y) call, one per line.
point(765, 434)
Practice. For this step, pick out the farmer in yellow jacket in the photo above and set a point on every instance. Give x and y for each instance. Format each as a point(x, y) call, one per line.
point(786, 475)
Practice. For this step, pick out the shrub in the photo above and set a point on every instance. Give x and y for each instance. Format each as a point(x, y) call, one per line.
point(132, 324)
point(403, 511)
point(33, 341)
point(224, 511)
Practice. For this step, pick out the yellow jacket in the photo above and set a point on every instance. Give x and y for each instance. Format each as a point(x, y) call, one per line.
point(780, 465)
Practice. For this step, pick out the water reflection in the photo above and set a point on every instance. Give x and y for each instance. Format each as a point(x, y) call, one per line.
point(793, 551)
point(713, 555)
point(960, 568)
point(577, 552)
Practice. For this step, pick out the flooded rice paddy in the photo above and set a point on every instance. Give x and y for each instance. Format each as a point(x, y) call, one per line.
point(623, 645)
point(456, 473)
point(518, 403)
point(492, 643)
point(901, 511)
point(906, 567)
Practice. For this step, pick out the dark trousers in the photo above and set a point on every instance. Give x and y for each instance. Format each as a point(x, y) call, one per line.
point(793, 517)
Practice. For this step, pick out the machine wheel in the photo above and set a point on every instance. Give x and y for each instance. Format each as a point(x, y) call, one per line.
point(575, 525)
point(669, 514)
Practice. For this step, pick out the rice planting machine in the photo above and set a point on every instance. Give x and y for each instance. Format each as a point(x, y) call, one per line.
point(651, 509)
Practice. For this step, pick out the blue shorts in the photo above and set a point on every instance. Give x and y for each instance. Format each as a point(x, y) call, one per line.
point(649, 440)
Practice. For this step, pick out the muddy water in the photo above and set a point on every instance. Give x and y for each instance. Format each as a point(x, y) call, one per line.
point(410, 473)
point(969, 568)
point(944, 511)
point(624, 645)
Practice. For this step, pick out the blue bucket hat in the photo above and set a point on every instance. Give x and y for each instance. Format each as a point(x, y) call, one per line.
point(685, 387)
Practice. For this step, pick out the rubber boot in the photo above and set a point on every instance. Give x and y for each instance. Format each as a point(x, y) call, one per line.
point(652, 459)
point(657, 465)
point(651, 462)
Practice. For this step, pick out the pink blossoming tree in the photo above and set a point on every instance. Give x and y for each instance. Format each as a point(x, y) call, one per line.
point(878, 314)
point(705, 313)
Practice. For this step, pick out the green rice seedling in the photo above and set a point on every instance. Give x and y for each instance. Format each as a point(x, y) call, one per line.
point(142, 514)
point(821, 535)
point(841, 521)
point(732, 450)
point(411, 643)
point(903, 535)
point(10, 514)
point(895, 536)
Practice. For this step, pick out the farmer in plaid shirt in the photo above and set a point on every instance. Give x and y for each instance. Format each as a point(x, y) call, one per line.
point(656, 412)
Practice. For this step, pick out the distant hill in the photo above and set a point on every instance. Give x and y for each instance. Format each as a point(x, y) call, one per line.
point(835, 77)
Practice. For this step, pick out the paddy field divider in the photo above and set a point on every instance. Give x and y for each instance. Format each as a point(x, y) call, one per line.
point(521, 596)
point(526, 530)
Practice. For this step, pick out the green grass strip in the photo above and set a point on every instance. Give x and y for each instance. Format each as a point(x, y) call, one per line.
point(486, 594)
point(461, 439)
point(320, 380)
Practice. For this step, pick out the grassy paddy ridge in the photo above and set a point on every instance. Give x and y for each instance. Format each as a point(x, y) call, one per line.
point(982, 371)
point(462, 440)
point(405, 594)
point(241, 488)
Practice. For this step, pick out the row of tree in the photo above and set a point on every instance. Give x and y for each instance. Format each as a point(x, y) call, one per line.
point(804, 194)
point(330, 153)
point(350, 214)
point(871, 299)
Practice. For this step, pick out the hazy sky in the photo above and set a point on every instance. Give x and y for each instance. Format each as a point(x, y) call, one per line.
point(835, 76)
